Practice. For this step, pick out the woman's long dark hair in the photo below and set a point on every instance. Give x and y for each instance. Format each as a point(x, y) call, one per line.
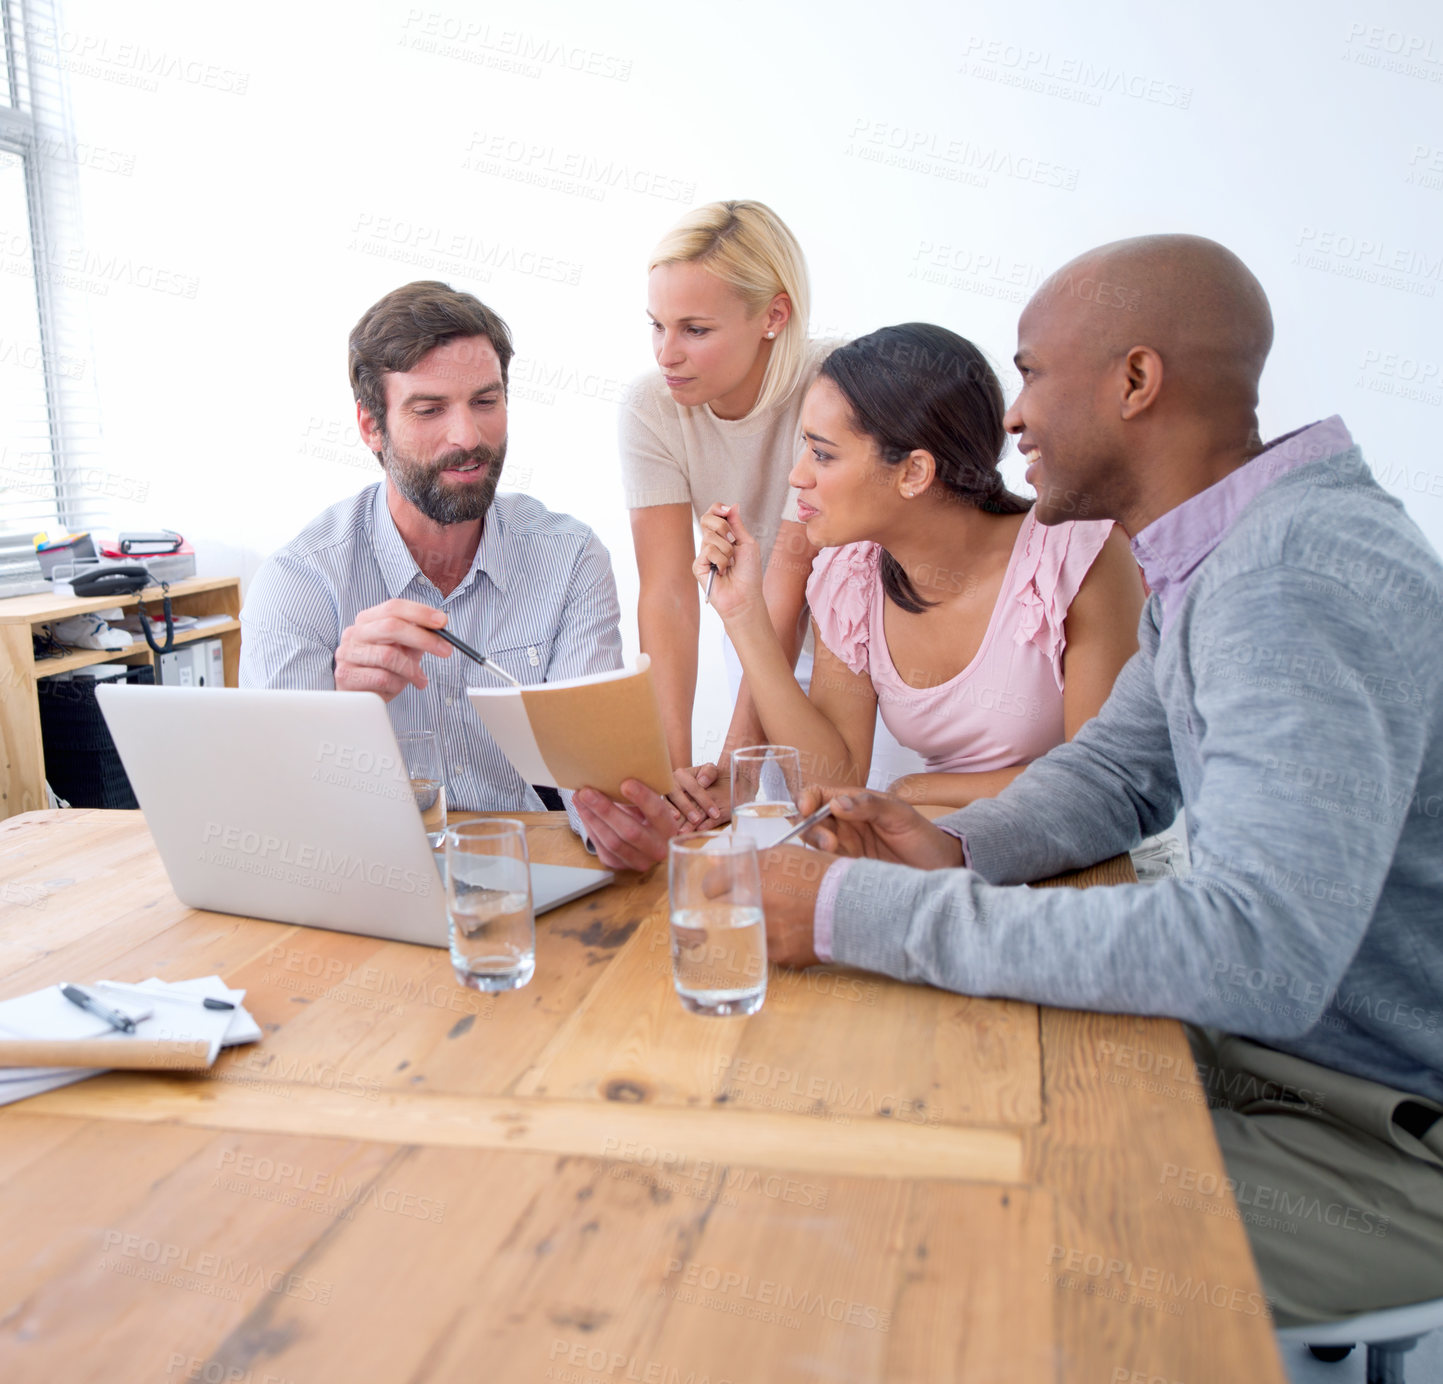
point(921, 387)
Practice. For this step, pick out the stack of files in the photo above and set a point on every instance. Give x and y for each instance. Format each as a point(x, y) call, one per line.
point(46, 1041)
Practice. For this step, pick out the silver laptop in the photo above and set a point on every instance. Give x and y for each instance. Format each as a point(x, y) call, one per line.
point(292, 806)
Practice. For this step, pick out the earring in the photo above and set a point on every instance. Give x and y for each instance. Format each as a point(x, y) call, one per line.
point(770, 335)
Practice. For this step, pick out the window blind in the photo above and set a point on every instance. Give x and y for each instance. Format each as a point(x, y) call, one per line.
point(52, 472)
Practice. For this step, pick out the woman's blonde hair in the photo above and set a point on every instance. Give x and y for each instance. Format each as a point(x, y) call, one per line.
point(749, 248)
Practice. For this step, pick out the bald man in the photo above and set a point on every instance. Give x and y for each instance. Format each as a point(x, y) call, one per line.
point(1288, 692)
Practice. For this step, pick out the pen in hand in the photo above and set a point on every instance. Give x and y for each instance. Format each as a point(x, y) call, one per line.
point(712, 575)
point(807, 823)
point(471, 653)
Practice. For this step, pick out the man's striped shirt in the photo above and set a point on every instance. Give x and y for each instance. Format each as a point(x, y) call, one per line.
point(539, 599)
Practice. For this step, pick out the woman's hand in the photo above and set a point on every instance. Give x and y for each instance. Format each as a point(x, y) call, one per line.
point(702, 809)
point(736, 590)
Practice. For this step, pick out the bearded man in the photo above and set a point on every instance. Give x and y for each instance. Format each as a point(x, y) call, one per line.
point(353, 602)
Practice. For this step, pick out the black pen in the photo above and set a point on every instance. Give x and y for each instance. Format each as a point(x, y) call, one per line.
point(177, 996)
point(113, 1017)
point(471, 653)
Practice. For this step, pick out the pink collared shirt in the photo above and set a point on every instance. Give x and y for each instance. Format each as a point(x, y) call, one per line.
point(1005, 707)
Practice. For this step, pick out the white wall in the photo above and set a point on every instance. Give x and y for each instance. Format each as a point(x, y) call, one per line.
point(255, 176)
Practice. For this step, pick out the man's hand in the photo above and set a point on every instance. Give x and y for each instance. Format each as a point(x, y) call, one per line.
point(880, 827)
point(791, 877)
point(382, 651)
point(632, 835)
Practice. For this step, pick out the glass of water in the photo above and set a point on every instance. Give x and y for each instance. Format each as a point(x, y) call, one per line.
point(766, 783)
point(488, 903)
point(421, 750)
point(718, 935)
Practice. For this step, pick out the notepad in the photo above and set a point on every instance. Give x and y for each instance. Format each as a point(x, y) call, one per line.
point(45, 1041)
point(595, 730)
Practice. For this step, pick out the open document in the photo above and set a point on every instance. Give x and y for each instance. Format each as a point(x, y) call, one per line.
point(596, 730)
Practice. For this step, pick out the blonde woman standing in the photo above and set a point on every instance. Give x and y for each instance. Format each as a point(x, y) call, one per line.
point(728, 301)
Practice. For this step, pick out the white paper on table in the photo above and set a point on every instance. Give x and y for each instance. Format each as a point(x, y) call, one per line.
point(48, 1014)
point(242, 1028)
point(38, 1085)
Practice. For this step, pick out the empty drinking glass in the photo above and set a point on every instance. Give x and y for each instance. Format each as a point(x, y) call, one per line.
point(718, 935)
point(766, 783)
point(488, 903)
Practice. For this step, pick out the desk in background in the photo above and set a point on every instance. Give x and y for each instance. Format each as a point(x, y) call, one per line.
point(22, 755)
point(579, 1181)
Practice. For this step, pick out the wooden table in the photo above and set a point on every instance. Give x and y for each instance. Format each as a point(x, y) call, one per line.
point(580, 1182)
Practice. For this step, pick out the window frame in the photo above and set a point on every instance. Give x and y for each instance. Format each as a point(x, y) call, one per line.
point(23, 131)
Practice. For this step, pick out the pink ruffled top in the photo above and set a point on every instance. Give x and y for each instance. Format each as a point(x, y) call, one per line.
point(1005, 706)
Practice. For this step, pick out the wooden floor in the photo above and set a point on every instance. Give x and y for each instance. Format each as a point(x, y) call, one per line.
point(580, 1181)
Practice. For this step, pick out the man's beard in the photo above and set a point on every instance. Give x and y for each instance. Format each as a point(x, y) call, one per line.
point(441, 502)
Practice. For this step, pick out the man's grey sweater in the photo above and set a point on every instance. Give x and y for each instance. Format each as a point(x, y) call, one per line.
point(1295, 708)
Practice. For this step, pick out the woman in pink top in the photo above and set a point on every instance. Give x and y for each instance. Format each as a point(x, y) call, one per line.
point(982, 636)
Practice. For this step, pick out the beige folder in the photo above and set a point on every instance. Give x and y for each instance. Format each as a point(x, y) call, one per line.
point(593, 731)
point(134, 1054)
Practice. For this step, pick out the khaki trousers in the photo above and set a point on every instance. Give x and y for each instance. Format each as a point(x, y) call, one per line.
point(1339, 1180)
